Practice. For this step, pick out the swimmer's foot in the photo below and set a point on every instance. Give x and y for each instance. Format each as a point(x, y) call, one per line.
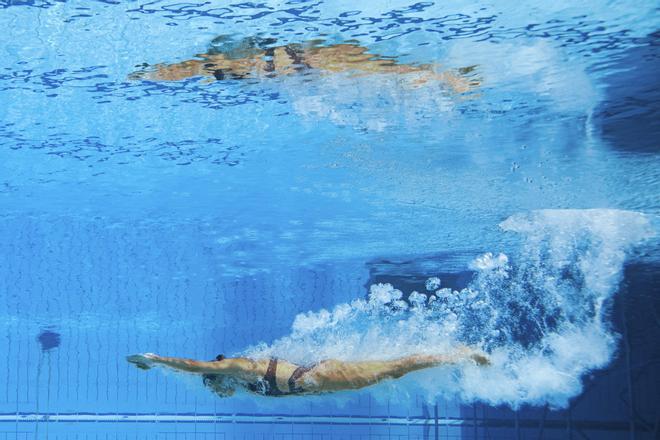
point(478, 356)
point(481, 359)
point(142, 361)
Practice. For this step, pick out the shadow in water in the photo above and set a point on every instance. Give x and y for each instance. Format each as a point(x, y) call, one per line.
point(629, 116)
point(48, 340)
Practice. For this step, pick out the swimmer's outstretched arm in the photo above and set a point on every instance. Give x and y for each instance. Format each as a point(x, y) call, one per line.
point(229, 366)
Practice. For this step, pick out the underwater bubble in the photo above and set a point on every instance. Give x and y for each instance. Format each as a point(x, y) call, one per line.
point(489, 262)
point(432, 284)
point(417, 299)
point(384, 293)
point(443, 293)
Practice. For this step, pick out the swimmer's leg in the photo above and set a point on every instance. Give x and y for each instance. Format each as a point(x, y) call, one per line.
point(333, 375)
point(399, 367)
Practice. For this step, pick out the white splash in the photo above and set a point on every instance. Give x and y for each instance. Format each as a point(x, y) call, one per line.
point(539, 314)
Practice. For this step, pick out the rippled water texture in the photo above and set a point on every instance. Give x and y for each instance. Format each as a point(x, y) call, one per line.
point(515, 141)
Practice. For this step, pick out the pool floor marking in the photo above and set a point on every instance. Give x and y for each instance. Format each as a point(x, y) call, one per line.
point(599, 425)
point(225, 418)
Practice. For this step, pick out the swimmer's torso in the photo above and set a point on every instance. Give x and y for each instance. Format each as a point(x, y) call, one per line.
point(276, 377)
point(270, 377)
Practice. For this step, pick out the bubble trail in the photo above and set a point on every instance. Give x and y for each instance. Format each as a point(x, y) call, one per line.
point(541, 314)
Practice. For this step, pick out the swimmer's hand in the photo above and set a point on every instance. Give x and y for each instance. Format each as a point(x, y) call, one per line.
point(142, 361)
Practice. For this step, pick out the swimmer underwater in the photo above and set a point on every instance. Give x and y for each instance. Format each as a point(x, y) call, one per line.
point(278, 377)
point(256, 57)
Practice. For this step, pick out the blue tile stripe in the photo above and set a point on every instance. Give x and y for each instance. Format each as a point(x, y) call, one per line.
point(227, 418)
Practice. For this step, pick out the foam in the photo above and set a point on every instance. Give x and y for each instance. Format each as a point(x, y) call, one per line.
point(536, 67)
point(539, 313)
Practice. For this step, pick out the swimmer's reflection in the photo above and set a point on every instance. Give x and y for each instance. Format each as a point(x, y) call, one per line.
point(256, 57)
point(278, 377)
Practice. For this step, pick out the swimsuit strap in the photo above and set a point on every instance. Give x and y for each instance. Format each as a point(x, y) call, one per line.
point(219, 74)
point(296, 58)
point(270, 378)
point(270, 62)
point(297, 374)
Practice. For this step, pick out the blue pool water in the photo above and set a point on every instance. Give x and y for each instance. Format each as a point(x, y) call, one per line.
point(510, 203)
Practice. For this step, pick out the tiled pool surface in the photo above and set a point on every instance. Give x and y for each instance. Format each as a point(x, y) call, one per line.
point(188, 218)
